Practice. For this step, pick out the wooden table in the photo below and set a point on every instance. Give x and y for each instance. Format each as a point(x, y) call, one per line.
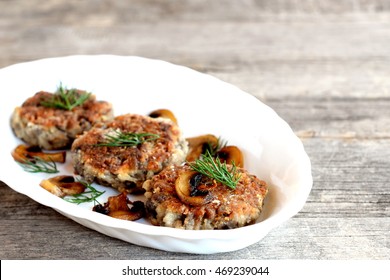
point(323, 66)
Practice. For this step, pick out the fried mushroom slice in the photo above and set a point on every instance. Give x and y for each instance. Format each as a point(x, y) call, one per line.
point(118, 207)
point(193, 188)
point(62, 185)
point(231, 155)
point(199, 144)
point(163, 113)
point(23, 153)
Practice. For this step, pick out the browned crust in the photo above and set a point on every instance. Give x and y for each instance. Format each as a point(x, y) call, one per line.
point(58, 126)
point(133, 163)
point(229, 208)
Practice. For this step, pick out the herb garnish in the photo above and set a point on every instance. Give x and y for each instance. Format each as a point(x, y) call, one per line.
point(66, 99)
point(128, 139)
point(213, 149)
point(88, 196)
point(215, 169)
point(38, 165)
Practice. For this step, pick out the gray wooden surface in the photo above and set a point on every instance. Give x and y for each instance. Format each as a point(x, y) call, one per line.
point(323, 66)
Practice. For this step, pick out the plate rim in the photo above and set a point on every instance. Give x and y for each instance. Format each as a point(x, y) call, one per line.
point(283, 216)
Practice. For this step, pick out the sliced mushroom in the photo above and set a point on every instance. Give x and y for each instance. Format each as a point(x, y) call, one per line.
point(62, 185)
point(163, 113)
point(194, 188)
point(118, 207)
point(198, 145)
point(230, 155)
point(23, 153)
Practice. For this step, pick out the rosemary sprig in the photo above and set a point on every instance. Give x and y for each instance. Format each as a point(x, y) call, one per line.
point(37, 165)
point(215, 169)
point(66, 99)
point(91, 194)
point(128, 139)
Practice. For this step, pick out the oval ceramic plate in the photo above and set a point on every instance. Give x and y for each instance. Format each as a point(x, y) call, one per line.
point(202, 104)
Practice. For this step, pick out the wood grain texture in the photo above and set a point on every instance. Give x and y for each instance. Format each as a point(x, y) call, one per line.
point(323, 66)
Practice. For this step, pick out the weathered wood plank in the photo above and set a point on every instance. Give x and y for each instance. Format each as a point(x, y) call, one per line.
point(335, 117)
point(322, 65)
point(100, 12)
point(325, 237)
point(349, 197)
point(306, 59)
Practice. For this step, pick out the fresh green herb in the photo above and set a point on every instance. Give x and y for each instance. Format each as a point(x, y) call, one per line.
point(215, 169)
point(38, 165)
point(91, 194)
point(213, 149)
point(66, 99)
point(128, 139)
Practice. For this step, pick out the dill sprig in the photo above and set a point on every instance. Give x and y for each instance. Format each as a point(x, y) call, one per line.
point(90, 195)
point(127, 139)
point(66, 99)
point(38, 165)
point(215, 169)
point(213, 149)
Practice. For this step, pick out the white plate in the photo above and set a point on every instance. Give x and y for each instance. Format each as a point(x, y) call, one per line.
point(201, 103)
